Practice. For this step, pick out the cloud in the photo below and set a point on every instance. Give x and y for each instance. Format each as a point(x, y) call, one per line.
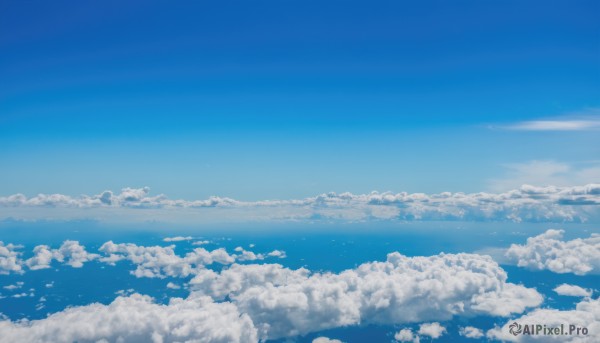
point(526, 203)
point(471, 332)
point(177, 239)
point(172, 285)
point(549, 251)
point(406, 335)
point(138, 318)
point(70, 252)
point(157, 261)
point(325, 340)
point(546, 173)
point(555, 125)
point(283, 302)
point(572, 291)
point(10, 262)
point(150, 261)
point(251, 302)
point(16, 285)
point(586, 314)
point(433, 330)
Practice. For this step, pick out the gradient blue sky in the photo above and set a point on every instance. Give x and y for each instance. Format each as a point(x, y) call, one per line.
point(285, 99)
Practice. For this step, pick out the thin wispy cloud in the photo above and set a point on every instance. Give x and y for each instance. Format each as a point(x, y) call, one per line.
point(555, 125)
point(585, 120)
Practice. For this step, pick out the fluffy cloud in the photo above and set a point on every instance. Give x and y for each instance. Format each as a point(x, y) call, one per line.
point(586, 314)
point(10, 261)
point(150, 261)
point(137, 318)
point(70, 252)
point(526, 203)
point(157, 261)
point(470, 332)
point(406, 335)
point(283, 302)
point(572, 291)
point(433, 330)
point(550, 251)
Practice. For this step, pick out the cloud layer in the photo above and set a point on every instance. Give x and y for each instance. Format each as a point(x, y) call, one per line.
point(526, 203)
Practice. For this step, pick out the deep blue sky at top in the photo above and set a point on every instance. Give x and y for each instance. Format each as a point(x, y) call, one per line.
point(264, 99)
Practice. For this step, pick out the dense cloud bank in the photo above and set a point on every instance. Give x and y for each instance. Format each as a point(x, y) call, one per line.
point(527, 203)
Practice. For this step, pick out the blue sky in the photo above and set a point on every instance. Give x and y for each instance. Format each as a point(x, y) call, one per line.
point(287, 99)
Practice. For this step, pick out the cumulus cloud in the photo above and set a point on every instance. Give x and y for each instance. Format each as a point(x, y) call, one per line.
point(527, 203)
point(171, 285)
point(251, 302)
point(70, 253)
point(138, 318)
point(572, 291)
point(586, 314)
point(433, 330)
point(150, 261)
point(10, 261)
point(470, 332)
point(549, 251)
point(406, 335)
point(283, 302)
point(157, 261)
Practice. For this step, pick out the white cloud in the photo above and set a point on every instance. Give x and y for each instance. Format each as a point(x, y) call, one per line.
point(283, 302)
point(586, 314)
point(201, 242)
point(16, 285)
point(137, 318)
point(171, 285)
point(572, 291)
point(150, 261)
point(157, 261)
point(406, 335)
point(526, 203)
point(177, 239)
point(550, 251)
point(326, 340)
point(433, 330)
point(555, 125)
point(471, 332)
point(10, 262)
point(70, 252)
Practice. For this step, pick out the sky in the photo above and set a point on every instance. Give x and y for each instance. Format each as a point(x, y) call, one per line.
point(290, 99)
